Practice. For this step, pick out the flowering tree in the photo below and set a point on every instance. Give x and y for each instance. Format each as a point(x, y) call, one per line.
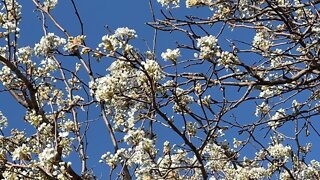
point(234, 107)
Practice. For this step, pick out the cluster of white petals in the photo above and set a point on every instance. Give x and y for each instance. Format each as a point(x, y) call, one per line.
point(261, 41)
point(33, 118)
point(51, 4)
point(166, 3)
point(22, 152)
point(153, 69)
point(278, 151)
point(119, 80)
point(208, 47)
point(110, 43)
point(263, 108)
point(113, 159)
point(46, 157)
point(3, 121)
point(74, 43)
point(48, 44)
point(6, 77)
point(275, 120)
point(171, 55)
point(226, 59)
point(270, 91)
point(10, 20)
point(182, 101)
point(194, 3)
point(24, 55)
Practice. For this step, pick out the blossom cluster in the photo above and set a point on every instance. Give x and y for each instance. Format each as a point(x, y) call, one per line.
point(278, 151)
point(171, 55)
point(10, 19)
point(276, 119)
point(182, 101)
point(74, 43)
point(261, 41)
point(3, 121)
point(166, 3)
point(110, 43)
point(270, 91)
point(226, 59)
point(6, 77)
point(208, 47)
point(50, 4)
point(48, 44)
point(153, 69)
point(195, 3)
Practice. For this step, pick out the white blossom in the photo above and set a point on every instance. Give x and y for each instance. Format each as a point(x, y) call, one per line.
point(279, 151)
point(6, 77)
point(261, 41)
point(153, 69)
point(208, 47)
point(193, 3)
point(226, 59)
point(171, 55)
point(182, 102)
point(48, 44)
point(3, 121)
point(22, 152)
point(50, 3)
point(166, 3)
point(46, 157)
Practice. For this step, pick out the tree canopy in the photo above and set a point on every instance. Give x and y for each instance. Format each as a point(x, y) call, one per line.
point(235, 96)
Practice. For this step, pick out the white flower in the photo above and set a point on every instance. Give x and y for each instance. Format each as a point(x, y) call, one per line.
point(166, 147)
point(182, 102)
point(260, 41)
point(270, 91)
point(208, 47)
point(153, 69)
point(6, 77)
point(113, 159)
point(22, 153)
point(63, 134)
point(46, 157)
point(24, 54)
point(171, 55)
point(49, 64)
point(125, 32)
point(281, 113)
point(279, 151)
point(48, 44)
point(109, 43)
point(166, 3)
point(193, 3)
point(134, 136)
point(262, 108)
point(236, 143)
point(118, 40)
point(295, 105)
point(3, 121)
point(226, 58)
point(206, 101)
point(50, 3)
point(104, 88)
point(33, 118)
point(275, 120)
